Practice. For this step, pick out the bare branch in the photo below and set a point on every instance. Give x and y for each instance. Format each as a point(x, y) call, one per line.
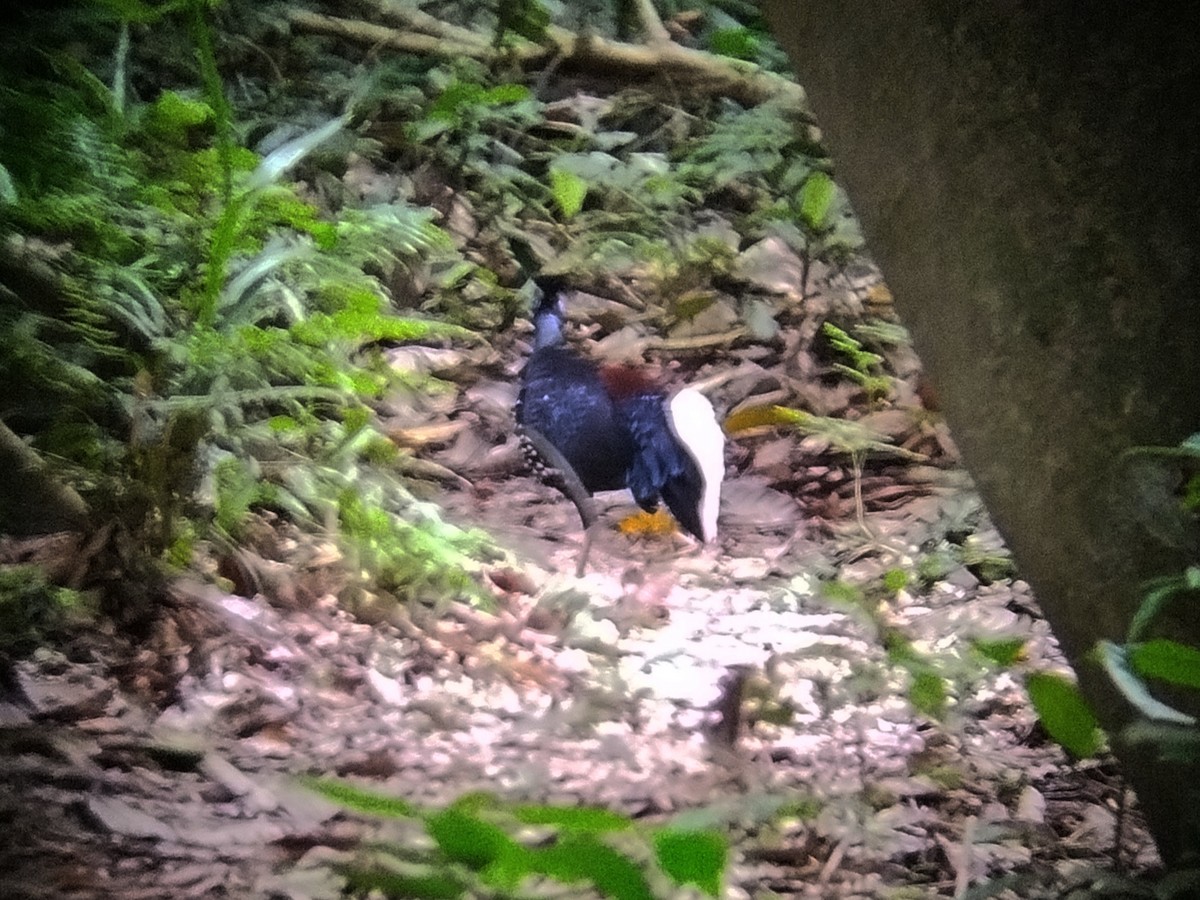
point(395, 11)
point(742, 81)
point(656, 32)
point(381, 36)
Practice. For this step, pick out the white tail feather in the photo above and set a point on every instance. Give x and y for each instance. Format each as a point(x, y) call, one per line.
point(694, 423)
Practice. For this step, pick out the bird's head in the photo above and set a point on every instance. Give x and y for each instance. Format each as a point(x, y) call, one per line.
point(549, 313)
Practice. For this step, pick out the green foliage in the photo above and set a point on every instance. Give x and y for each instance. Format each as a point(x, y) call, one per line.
point(928, 676)
point(816, 201)
point(31, 608)
point(1167, 661)
point(202, 304)
point(1140, 658)
point(1159, 595)
point(988, 565)
point(466, 120)
point(739, 43)
point(895, 580)
point(237, 489)
point(862, 366)
point(485, 846)
point(927, 685)
point(525, 18)
point(766, 153)
point(1152, 672)
point(569, 190)
point(1004, 652)
point(842, 435)
point(693, 857)
point(405, 545)
point(1064, 713)
point(750, 146)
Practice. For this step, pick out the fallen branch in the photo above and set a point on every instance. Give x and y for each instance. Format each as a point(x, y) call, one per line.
point(742, 81)
point(655, 30)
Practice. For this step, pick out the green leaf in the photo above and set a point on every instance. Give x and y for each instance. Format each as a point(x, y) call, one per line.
point(172, 116)
point(506, 93)
point(237, 488)
point(739, 43)
point(1002, 651)
point(1168, 661)
point(927, 692)
point(459, 98)
point(528, 18)
point(1159, 593)
point(573, 818)
point(360, 800)
point(843, 593)
point(468, 839)
point(816, 200)
point(693, 857)
point(584, 857)
point(895, 580)
point(758, 416)
point(569, 191)
point(1064, 713)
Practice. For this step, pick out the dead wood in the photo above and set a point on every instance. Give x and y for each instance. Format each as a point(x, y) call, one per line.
point(422, 34)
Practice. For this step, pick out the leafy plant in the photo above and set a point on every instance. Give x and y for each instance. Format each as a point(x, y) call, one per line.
point(1144, 660)
point(484, 846)
point(469, 123)
point(202, 302)
point(842, 435)
point(928, 687)
point(1064, 713)
point(861, 365)
point(31, 608)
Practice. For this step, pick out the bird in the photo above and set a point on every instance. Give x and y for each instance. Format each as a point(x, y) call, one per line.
point(614, 428)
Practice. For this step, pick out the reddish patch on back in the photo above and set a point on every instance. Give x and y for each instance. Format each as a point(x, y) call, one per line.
point(622, 382)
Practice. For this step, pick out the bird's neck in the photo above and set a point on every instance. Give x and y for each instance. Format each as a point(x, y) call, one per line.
point(547, 330)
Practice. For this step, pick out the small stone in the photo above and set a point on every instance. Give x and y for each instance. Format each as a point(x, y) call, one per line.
point(118, 817)
point(68, 697)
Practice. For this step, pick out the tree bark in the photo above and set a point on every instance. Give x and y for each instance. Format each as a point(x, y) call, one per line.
point(1026, 175)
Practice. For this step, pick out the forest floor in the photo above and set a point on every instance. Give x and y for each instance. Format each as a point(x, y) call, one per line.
point(726, 683)
point(810, 684)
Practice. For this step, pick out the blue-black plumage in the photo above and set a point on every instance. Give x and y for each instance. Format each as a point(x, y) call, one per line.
point(620, 432)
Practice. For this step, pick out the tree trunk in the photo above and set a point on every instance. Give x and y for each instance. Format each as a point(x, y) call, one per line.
point(1027, 177)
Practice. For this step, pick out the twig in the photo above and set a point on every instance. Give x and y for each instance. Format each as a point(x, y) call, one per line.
point(424, 22)
point(743, 81)
point(698, 342)
point(831, 864)
point(380, 35)
point(651, 22)
point(1119, 828)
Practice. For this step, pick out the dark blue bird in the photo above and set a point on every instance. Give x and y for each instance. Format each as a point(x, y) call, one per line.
point(616, 430)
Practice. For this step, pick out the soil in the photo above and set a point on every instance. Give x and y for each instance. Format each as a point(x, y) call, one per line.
point(746, 684)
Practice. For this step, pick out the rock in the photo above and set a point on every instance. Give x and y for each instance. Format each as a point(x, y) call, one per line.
point(76, 694)
point(117, 817)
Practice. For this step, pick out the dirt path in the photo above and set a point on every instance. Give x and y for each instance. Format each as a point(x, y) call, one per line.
point(746, 683)
point(602, 690)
